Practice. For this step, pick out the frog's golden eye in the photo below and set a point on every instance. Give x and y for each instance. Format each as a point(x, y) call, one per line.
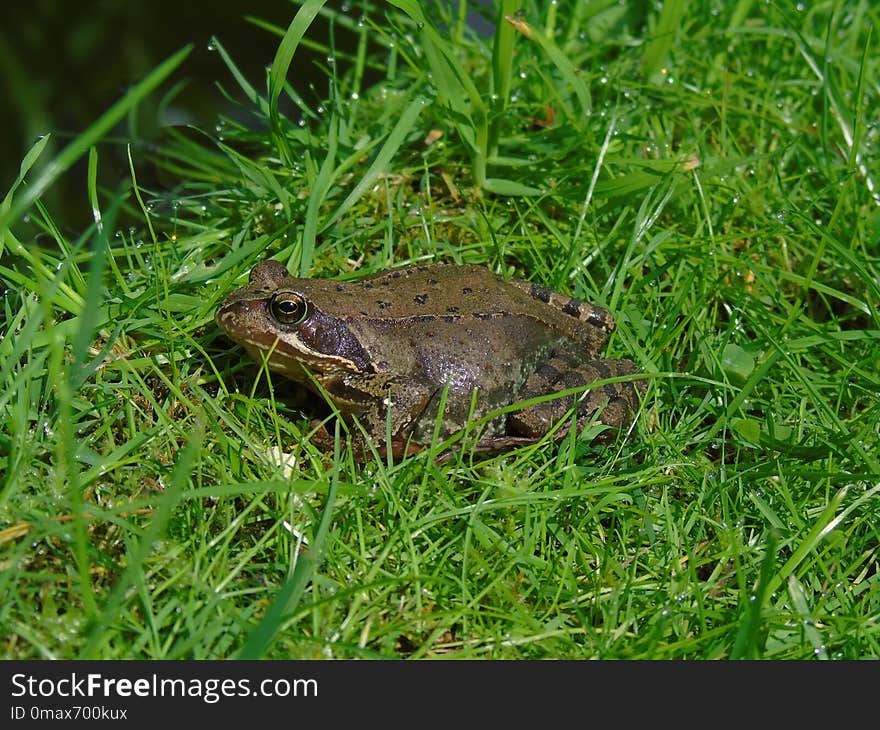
point(288, 308)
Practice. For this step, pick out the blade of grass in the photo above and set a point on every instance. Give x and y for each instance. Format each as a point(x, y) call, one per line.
point(89, 318)
point(28, 161)
point(749, 643)
point(664, 36)
point(249, 91)
point(825, 524)
point(138, 554)
point(65, 448)
point(801, 605)
point(500, 186)
point(289, 595)
point(570, 74)
point(455, 89)
point(502, 68)
point(316, 196)
point(76, 149)
point(281, 65)
point(380, 164)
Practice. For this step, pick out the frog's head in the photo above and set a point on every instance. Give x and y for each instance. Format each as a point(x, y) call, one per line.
point(285, 320)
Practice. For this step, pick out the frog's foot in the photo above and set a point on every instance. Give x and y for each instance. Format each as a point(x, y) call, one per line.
point(613, 404)
point(321, 438)
point(488, 447)
point(360, 448)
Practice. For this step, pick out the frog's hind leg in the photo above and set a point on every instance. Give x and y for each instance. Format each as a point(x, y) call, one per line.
point(599, 318)
point(613, 404)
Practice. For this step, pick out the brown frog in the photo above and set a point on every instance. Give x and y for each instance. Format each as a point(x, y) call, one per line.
point(389, 348)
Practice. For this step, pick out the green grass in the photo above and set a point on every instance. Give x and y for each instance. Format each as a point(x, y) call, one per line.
point(709, 172)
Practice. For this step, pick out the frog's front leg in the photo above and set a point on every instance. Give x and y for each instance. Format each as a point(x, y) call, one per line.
point(395, 407)
point(614, 404)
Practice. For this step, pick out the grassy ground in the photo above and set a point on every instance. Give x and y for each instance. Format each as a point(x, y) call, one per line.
point(707, 171)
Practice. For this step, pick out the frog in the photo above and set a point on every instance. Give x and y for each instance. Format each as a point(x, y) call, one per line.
point(427, 351)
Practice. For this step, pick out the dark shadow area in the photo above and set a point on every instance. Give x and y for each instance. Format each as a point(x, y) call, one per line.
point(64, 64)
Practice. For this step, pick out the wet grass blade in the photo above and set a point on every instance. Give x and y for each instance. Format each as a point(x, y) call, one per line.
point(281, 65)
point(289, 595)
point(27, 162)
point(801, 605)
point(318, 192)
point(570, 74)
point(380, 164)
point(455, 89)
point(823, 526)
point(502, 66)
point(749, 641)
point(249, 91)
point(76, 149)
point(668, 25)
point(90, 317)
point(138, 553)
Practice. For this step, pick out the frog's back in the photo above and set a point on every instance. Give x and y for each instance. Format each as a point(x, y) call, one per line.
point(451, 294)
point(438, 290)
point(445, 291)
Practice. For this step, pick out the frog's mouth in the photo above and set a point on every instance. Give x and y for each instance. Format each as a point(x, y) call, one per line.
point(296, 362)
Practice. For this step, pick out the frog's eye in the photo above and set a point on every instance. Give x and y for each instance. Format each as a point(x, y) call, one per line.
point(288, 308)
